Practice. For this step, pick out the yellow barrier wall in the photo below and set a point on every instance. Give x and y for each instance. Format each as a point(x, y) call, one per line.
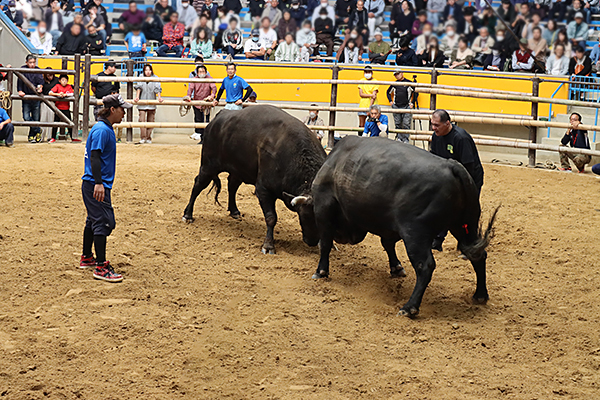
point(349, 93)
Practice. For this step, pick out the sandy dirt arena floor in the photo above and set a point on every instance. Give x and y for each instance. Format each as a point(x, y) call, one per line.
point(202, 314)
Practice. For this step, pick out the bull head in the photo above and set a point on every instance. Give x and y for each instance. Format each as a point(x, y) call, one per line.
point(303, 205)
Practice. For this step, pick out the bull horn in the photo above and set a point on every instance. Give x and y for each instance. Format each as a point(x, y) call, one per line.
point(299, 200)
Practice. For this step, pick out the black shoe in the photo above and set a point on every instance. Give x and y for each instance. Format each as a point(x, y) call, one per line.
point(437, 244)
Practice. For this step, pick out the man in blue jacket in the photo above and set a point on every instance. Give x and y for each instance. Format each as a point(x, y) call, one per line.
point(376, 124)
point(100, 164)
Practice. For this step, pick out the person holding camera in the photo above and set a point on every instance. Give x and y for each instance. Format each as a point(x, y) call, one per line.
point(377, 124)
point(401, 97)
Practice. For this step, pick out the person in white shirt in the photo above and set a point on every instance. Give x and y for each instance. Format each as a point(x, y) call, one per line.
point(330, 11)
point(307, 40)
point(187, 14)
point(41, 39)
point(254, 48)
point(287, 51)
point(268, 37)
point(558, 63)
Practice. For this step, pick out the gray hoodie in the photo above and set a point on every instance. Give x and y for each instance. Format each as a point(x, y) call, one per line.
point(149, 90)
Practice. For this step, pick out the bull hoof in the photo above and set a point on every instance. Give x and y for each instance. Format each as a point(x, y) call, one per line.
point(268, 251)
point(186, 219)
point(320, 275)
point(236, 215)
point(409, 312)
point(480, 299)
point(398, 273)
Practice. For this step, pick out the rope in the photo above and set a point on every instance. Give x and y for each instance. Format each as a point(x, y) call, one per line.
point(5, 100)
point(184, 109)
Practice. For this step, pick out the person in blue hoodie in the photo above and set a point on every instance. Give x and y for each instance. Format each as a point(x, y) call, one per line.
point(377, 124)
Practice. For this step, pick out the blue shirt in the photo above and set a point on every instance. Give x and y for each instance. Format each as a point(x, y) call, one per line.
point(3, 115)
point(102, 137)
point(595, 55)
point(372, 129)
point(135, 42)
point(234, 88)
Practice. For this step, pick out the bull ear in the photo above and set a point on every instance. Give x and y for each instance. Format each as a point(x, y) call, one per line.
point(300, 200)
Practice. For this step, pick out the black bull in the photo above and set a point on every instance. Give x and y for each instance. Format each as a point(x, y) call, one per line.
point(265, 147)
point(398, 191)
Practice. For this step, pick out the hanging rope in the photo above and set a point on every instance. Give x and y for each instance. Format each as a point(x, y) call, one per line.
point(5, 100)
point(184, 109)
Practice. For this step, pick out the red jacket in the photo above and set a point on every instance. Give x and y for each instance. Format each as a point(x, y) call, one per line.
point(63, 105)
point(173, 36)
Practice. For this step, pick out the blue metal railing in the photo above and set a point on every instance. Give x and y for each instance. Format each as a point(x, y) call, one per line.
point(19, 35)
point(584, 88)
point(550, 108)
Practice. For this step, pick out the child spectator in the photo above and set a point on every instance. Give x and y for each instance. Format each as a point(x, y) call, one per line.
point(63, 90)
point(135, 42)
point(298, 12)
point(350, 55)
point(71, 42)
point(232, 39)
point(201, 45)
point(147, 91)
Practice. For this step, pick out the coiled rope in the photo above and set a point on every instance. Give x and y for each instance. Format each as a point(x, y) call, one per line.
point(5, 100)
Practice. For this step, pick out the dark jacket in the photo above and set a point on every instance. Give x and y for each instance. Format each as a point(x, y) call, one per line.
point(458, 16)
point(489, 59)
point(437, 62)
point(233, 5)
point(69, 45)
point(576, 138)
point(166, 12)
point(48, 19)
point(358, 19)
point(508, 16)
point(407, 58)
point(103, 13)
point(70, 24)
point(36, 79)
point(154, 29)
point(257, 7)
point(49, 85)
point(94, 45)
point(298, 15)
point(400, 96)
point(283, 27)
point(16, 18)
point(402, 22)
point(587, 67)
point(324, 26)
point(343, 8)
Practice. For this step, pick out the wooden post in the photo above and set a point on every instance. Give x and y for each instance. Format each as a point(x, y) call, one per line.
point(9, 88)
point(85, 115)
point(333, 103)
point(65, 63)
point(535, 91)
point(433, 97)
point(76, 86)
point(129, 64)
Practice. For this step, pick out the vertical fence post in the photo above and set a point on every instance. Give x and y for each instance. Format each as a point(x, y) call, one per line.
point(65, 63)
point(535, 91)
point(85, 115)
point(129, 64)
point(333, 103)
point(9, 88)
point(76, 86)
point(433, 97)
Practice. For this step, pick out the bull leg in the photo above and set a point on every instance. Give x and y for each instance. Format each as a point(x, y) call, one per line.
point(481, 294)
point(267, 204)
point(325, 246)
point(233, 185)
point(396, 269)
point(419, 253)
point(200, 183)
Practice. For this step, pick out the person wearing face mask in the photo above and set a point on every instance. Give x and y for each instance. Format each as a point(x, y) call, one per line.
point(254, 48)
point(298, 12)
point(187, 15)
point(450, 41)
point(351, 55)
point(306, 40)
point(329, 11)
point(41, 39)
point(200, 91)
point(368, 95)
point(313, 119)
point(423, 38)
point(482, 45)
point(16, 16)
point(272, 12)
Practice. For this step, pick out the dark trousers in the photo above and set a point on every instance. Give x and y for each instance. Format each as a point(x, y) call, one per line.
point(62, 130)
point(6, 134)
point(31, 112)
point(200, 117)
point(100, 215)
point(327, 40)
point(231, 51)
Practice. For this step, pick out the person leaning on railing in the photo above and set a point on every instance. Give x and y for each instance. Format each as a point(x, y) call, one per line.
point(201, 91)
point(31, 108)
point(147, 91)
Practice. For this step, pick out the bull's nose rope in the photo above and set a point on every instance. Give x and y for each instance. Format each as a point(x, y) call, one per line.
point(5, 100)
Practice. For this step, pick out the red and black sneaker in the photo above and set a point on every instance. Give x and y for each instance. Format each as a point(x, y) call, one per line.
point(106, 272)
point(87, 262)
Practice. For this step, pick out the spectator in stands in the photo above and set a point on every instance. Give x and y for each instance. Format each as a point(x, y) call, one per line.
point(595, 58)
point(433, 56)
point(507, 12)
point(102, 12)
point(221, 24)
point(26, 9)
point(298, 12)
point(580, 65)
point(470, 25)
point(173, 33)
point(521, 19)
point(453, 12)
point(152, 26)
point(489, 20)
point(550, 33)
point(313, 119)
point(132, 16)
point(286, 25)
point(406, 56)
point(423, 38)
point(577, 7)
point(343, 9)
point(577, 31)
point(307, 41)
point(272, 12)
point(164, 10)
point(206, 7)
point(41, 39)
point(401, 97)
point(71, 42)
point(54, 21)
point(359, 21)
point(378, 49)
point(200, 91)
point(254, 47)
point(268, 37)
point(39, 9)
point(401, 19)
point(541, 8)
point(496, 60)
point(558, 62)
point(562, 38)
point(256, 9)
point(350, 53)
point(419, 23)
point(462, 56)
point(522, 60)
point(529, 27)
point(202, 23)
point(187, 15)
point(324, 4)
point(538, 46)
point(135, 42)
point(46, 114)
point(233, 6)
point(324, 31)
point(95, 18)
point(368, 95)
point(234, 87)
point(147, 91)
point(577, 139)
point(287, 51)
point(377, 123)
point(450, 41)
point(435, 8)
point(16, 16)
point(482, 45)
point(31, 108)
point(6, 128)
point(232, 39)
point(375, 9)
point(77, 19)
point(311, 6)
point(63, 90)
point(94, 45)
point(558, 10)
point(201, 45)
point(101, 89)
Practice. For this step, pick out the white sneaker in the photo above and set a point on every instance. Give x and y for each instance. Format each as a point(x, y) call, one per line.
point(195, 136)
point(142, 141)
point(148, 141)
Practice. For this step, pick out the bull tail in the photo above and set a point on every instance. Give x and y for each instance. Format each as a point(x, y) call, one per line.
point(216, 185)
point(475, 251)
